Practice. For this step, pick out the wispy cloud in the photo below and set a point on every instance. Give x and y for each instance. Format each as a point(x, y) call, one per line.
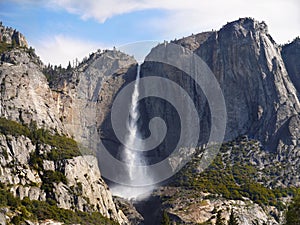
point(61, 49)
point(101, 10)
point(184, 16)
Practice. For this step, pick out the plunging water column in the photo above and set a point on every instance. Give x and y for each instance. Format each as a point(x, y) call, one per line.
point(133, 158)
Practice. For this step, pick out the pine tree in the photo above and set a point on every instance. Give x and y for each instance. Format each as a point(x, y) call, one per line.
point(219, 220)
point(165, 219)
point(69, 66)
point(14, 43)
point(292, 215)
point(31, 51)
point(232, 219)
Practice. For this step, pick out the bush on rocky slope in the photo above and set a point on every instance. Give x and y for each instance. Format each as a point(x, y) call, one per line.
point(63, 147)
point(37, 210)
point(292, 215)
point(233, 177)
point(4, 47)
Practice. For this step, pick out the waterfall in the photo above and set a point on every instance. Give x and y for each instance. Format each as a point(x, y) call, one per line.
point(131, 157)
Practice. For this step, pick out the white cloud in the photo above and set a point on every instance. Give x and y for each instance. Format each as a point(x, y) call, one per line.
point(282, 17)
point(186, 16)
point(102, 10)
point(61, 49)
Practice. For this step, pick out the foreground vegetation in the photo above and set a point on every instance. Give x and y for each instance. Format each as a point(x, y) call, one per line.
point(37, 210)
point(293, 213)
point(5, 47)
point(232, 180)
point(62, 147)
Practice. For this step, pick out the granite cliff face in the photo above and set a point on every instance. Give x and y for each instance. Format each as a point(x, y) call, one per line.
point(259, 80)
point(260, 98)
point(290, 54)
point(259, 95)
point(261, 101)
point(25, 93)
point(84, 96)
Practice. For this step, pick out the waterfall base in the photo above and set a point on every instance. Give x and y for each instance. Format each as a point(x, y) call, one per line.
point(131, 193)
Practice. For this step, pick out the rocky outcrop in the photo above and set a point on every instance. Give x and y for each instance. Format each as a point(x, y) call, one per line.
point(25, 93)
point(84, 97)
point(255, 83)
point(84, 178)
point(134, 217)
point(203, 208)
point(12, 36)
point(84, 189)
point(15, 155)
point(2, 219)
point(194, 41)
point(6, 214)
point(194, 197)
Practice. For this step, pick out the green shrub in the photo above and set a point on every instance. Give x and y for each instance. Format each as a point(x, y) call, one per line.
point(5, 47)
point(165, 219)
point(36, 161)
point(17, 220)
point(233, 219)
point(62, 147)
point(231, 181)
point(7, 198)
point(292, 215)
point(9, 127)
point(50, 177)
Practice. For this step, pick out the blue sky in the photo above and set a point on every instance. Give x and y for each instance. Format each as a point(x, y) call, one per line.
point(61, 30)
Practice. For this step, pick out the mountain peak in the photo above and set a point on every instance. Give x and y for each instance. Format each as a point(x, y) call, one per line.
point(12, 36)
point(235, 30)
point(248, 24)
